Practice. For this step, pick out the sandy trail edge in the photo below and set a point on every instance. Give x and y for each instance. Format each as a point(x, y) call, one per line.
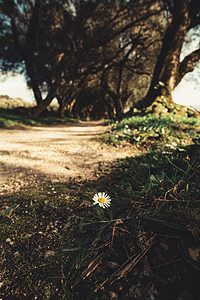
point(52, 153)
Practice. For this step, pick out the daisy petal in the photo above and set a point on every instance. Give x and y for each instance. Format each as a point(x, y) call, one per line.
point(102, 199)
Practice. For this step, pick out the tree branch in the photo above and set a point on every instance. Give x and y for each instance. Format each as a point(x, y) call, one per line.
point(188, 64)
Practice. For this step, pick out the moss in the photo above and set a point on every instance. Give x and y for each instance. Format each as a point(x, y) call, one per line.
point(165, 106)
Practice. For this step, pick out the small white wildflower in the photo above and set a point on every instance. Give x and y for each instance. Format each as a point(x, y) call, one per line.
point(102, 199)
point(126, 126)
point(171, 146)
point(8, 240)
point(166, 152)
point(116, 135)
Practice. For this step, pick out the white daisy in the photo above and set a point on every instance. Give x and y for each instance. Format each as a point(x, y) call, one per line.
point(102, 199)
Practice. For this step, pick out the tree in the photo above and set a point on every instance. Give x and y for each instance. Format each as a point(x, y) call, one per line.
point(21, 34)
point(70, 42)
point(125, 76)
point(121, 44)
point(106, 35)
point(32, 44)
point(169, 70)
point(121, 47)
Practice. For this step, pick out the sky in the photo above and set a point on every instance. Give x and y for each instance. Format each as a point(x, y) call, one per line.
point(187, 92)
point(15, 87)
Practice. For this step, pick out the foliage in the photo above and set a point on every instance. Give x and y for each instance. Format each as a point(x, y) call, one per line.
point(11, 119)
point(13, 113)
point(150, 130)
point(63, 47)
point(56, 245)
point(70, 43)
point(7, 102)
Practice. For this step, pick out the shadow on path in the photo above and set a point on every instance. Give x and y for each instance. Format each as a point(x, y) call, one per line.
point(53, 153)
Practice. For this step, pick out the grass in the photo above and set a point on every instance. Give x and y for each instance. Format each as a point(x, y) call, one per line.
point(56, 245)
point(10, 119)
point(151, 131)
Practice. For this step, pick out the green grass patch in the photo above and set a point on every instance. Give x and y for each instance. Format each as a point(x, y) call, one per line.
point(10, 119)
point(56, 245)
point(151, 131)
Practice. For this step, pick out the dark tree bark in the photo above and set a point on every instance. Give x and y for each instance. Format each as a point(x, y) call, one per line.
point(168, 71)
point(117, 95)
point(28, 51)
point(37, 110)
point(32, 76)
point(62, 106)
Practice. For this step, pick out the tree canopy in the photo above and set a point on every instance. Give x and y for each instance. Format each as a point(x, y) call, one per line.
point(94, 56)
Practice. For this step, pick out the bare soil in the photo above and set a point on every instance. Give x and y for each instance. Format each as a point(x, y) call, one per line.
point(53, 153)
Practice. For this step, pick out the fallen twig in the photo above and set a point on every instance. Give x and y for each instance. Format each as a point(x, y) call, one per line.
point(168, 263)
point(126, 267)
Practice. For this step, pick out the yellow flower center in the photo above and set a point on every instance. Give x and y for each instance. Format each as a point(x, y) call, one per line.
point(101, 200)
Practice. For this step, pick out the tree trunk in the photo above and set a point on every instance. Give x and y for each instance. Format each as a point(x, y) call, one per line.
point(114, 95)
point(117, 103)
point(34, 83)
point(167, 67)
point(187, 65)
point(28, 50)
point(62, 106)
point(37, 110)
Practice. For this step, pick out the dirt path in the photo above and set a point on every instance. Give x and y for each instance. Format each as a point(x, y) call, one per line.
point(52, 153)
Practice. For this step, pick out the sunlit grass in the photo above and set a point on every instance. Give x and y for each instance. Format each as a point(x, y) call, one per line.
point(149, 130)
point(11, 120)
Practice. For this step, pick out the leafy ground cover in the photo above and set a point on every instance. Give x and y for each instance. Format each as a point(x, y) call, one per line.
point(14, 114)
point(149, 131)
point(11, 119)
point(56, 245)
